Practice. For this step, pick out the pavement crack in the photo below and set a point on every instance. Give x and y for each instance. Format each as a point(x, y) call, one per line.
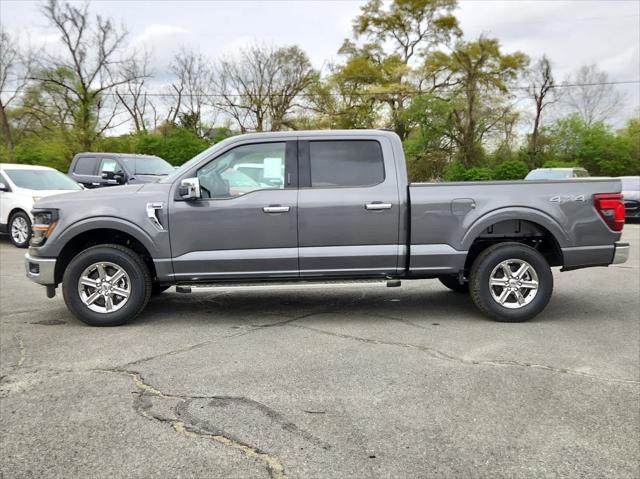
point(190, 426)
point(201, 344)
point(437, 354)
point(23, 351)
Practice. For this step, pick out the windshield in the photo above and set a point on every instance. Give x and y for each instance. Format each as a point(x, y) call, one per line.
point(548, 175)
point(147, 165)
point(631, 184)
point(41, 180)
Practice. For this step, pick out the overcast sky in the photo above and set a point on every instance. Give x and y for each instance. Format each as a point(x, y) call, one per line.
point(571, 33)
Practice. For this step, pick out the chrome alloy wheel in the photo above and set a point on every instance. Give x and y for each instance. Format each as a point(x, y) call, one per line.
point(19, 230)
point(513, 283)
point(104, 287)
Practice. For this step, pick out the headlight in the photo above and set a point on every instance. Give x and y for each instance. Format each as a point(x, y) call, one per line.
point(44, 222)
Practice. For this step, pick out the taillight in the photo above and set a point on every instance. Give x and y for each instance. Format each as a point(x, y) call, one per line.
point(611, 208)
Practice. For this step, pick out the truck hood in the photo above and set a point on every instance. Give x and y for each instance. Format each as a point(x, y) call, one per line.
point(83, 197)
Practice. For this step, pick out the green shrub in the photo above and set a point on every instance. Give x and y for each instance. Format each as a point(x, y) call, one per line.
point(510, 170)
point(455, 171)
point(45, 152)
point(478, 173)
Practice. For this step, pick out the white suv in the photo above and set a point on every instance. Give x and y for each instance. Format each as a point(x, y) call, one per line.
point(20, 187)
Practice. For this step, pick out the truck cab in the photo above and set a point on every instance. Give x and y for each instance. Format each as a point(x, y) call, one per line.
point(97, 170)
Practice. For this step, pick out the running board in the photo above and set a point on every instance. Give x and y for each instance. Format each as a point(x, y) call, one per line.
point(295, 284)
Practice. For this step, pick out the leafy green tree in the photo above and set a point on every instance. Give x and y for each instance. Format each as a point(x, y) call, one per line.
point(409, 29)
point(482, 73)
point(511, 170)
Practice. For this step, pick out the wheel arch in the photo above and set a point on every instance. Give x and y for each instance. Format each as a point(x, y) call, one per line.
point(523, 225)
point(81, 238)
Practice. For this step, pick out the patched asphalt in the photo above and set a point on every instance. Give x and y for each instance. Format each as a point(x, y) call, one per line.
point(330, 381)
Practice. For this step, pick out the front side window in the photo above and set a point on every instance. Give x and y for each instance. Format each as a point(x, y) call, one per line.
point(234, 173)
point(346, 163)
point(110, 165)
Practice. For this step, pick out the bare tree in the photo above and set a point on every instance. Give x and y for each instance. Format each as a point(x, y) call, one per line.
point(14, 78)
point(262, 86)
point(590, 94)
point(541, 90)
point(88, 67)
point(190, 92)
point(133, 94)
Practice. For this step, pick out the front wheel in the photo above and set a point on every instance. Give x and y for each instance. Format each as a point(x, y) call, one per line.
point(511, 282)
point(106, 285)
point(20, 229)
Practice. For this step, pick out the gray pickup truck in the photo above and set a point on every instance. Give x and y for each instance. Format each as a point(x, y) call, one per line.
point(315, 206)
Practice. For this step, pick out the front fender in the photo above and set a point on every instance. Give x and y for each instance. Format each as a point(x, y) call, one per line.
point(60, 241)
point(515, 213)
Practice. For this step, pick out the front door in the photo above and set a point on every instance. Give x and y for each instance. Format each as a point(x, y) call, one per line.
point(348, 208)
point(241, 226)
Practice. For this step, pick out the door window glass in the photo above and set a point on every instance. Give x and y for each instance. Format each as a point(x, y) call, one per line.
point(244, 169)
point(346, 163)
point(109, 164)
point(85, 166)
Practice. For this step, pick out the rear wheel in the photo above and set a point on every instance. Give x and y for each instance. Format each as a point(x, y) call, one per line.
point(453, 284)
point(511, 282)
point(106, 285)
point(20, 229)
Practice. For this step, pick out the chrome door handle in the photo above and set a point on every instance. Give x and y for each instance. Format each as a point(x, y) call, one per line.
point(376, 206)
point(276, 209)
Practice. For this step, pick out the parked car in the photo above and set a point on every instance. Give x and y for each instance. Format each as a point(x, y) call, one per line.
point(631, 196)
point(556, 173)
point(96, 170)
point(343, 209)
point(20, 187)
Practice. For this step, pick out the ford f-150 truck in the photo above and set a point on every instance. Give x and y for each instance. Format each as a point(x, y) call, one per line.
point(327, 205)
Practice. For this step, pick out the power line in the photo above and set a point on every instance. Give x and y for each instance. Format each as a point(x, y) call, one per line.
point(309, 95)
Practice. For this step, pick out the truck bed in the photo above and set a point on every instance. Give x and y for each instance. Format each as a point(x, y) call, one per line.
point(446, 218)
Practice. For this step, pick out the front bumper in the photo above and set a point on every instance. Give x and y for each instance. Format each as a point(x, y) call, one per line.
point(40, 270)
point(621, 253)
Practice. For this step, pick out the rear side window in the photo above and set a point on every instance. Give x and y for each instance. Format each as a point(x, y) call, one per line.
point(345, 163)
point(85, 166)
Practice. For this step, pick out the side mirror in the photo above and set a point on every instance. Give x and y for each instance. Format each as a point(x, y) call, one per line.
point(3, 187)
point(118, 177)
point(189, 189)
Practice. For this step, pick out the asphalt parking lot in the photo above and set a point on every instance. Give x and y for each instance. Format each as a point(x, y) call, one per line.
point(338, 382)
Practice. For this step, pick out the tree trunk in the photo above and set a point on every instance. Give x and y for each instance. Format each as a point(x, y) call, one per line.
point(6, 128)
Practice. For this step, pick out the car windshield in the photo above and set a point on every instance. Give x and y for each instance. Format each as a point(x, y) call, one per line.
point(147, 165)
point(41, 180)
point(631, 184)
point(548, 175)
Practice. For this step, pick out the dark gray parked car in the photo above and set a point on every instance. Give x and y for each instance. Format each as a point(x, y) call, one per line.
point(330, 205)
point(95, 170)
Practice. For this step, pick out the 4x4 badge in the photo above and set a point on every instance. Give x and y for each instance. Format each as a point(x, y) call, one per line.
point(566, 198)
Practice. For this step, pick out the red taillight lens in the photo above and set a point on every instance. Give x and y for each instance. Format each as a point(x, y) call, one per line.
point(611, 208)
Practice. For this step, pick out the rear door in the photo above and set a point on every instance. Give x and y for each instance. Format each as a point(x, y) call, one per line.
point(348, 207)
point(85, 170)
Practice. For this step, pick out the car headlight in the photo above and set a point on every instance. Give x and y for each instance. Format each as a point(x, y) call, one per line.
point(44, 222)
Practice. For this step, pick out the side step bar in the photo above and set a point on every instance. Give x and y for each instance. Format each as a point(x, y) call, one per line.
point(296, 284)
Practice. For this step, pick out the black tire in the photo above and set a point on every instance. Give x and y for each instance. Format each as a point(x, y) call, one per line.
point(481, 273)
point(130, 262)
point(453, 284)
point(157, 289)
point(15, 217)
